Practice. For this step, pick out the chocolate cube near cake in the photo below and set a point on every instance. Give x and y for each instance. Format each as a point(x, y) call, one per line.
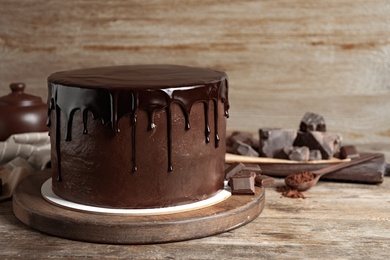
point(124, 137)
point(348, 151)
point(243, 183)
point(244, 149)
point(273, 140)
point(312, 122)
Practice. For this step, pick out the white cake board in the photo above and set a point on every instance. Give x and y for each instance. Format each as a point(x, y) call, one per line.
point(50, 196)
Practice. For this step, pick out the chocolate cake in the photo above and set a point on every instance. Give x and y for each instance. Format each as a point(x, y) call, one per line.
point(144, 136)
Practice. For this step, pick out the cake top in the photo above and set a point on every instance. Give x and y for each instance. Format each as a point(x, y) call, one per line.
point(137, 77)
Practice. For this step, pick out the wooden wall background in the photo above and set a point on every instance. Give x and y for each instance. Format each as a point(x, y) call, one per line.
point(283, 57)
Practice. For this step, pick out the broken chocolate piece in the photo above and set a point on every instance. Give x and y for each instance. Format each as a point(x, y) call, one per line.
point(263, 180)
point(273, 140)
point(315, 155)
point(230, 149)
point(287, 150)
point(243, 183)
point(245, 137)
point(296, 153)
point(233, 170)
point(312, 122)
point(333, 142)
point(327, 143)
point(348, 151)
point(244, 149)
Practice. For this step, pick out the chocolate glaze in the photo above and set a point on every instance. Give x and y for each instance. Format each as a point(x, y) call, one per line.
point(113, 93)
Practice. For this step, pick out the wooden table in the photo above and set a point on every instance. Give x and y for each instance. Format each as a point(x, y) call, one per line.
point(337, 220)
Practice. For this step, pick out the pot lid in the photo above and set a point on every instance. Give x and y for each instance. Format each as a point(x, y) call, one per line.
point(17, 97)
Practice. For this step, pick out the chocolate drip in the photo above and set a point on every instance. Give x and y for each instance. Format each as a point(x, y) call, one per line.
point(85, 122)
point(114, 115)
point(186, 118)
point(52, 97)
point(223, 93)
point(206, 122)
point(151, 124)
point(50, 107)
point(133, 126)
point(58, 141)
point(216, 122)
point(109, 99)
point(169, 133)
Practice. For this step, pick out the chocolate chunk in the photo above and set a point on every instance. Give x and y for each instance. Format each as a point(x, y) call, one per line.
point(287, 150)
point(333, 142)
point(312, 122)
point(348, 151)
point(233, 170)
point(245, 137)
point(264, 180)
point(315, 155)
point(1, 186)
point(243, 183)
point(327, 143)
point(296, 153)
point(273, 140)
point(244, 149)
point(229, 149)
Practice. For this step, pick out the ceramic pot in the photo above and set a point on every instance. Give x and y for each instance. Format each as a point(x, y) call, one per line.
point(21, 112)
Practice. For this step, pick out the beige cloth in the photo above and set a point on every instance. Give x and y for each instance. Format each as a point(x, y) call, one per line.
point(20, 156)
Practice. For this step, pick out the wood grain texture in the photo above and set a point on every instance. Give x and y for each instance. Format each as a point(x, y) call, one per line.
point(283, 57)
point(336, 221)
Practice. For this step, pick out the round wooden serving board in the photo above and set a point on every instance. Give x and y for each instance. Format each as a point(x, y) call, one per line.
point(33, 210)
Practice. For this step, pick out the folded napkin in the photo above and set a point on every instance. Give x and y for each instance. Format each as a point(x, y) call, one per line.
point(20, 156)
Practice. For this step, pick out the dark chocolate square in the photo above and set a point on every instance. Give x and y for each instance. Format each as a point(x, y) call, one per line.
point(243, 184)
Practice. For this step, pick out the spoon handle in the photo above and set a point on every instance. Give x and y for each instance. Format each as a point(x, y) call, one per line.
point(339, 166)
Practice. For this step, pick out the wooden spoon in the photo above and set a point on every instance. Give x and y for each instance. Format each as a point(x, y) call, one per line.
point(305, 180)
point(232, 158)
